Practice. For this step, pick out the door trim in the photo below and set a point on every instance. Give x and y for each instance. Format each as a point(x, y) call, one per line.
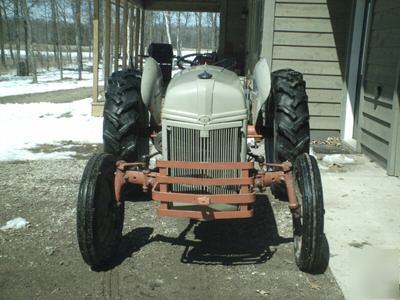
point(352, 76)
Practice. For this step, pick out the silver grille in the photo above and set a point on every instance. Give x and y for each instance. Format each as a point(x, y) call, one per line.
point(221, 145)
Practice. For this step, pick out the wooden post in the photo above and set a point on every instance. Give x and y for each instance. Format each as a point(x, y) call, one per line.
point(222, 27)
point(95, 91)
point(107, 46)
point(124, 34)
point(137, 33)
point(131, 15)
point(116, 35)
point(142, 41)
point(268, 31)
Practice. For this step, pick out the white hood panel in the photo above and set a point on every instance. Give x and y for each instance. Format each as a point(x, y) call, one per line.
point(219, 98)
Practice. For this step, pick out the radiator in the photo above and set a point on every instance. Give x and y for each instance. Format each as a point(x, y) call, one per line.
point(220, 145)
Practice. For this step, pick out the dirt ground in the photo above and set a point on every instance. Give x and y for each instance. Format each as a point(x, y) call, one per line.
point(60, 96)
point(159, 258)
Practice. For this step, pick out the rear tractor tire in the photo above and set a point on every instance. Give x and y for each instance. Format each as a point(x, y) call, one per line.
point(308, 221)
point(99, 219)
point(291, 120)
point(125, 117)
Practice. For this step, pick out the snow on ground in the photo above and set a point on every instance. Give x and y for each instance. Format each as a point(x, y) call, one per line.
point(16, 223)
point(340, 159)
point(25, 126)
point(12, 84)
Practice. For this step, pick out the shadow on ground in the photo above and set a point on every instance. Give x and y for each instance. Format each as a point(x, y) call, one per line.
point(223, 242)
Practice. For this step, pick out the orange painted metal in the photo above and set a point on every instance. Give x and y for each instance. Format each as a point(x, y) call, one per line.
point(196, 198)
point(205, 215)
point(203, 181)
point(163, 188)
point(201, 200)
point(285, 176)
point(160, 182)
point(245, 189)
point(252, 133)
point(205, 165)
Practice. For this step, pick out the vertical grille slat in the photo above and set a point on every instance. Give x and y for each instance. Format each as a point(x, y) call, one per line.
point(221, 145)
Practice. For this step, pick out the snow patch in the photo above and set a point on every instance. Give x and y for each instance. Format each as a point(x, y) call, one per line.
point(337, 159)
point(11, 84)
point(25, 126)
point(16, 223)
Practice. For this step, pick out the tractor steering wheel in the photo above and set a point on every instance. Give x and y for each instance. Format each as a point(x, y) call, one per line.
point(199, 59)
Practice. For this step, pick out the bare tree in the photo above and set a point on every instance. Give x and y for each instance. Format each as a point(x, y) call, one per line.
point(56, 37)
point(214, 32)
point(65, 25)
point(199, 35)
point(76, 8)
point(3, 55)
point(47, 36)
point(212, 26)
point(17, 29)
point(150, 20)
point(178, 34)
point(29, 49)
point(10, 39)
point(167, 19)
point(90, 17)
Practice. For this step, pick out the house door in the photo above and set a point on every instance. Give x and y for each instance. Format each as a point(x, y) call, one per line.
point(359, 44)
point(394, 162)
point(362, 21)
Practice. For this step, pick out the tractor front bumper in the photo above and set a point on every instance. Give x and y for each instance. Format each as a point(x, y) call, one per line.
point(204, 206)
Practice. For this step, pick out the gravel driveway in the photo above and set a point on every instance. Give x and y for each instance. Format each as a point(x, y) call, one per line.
point(159, 258)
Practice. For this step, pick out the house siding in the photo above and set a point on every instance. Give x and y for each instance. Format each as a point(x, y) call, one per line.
point(377, 113)
point(311, 36)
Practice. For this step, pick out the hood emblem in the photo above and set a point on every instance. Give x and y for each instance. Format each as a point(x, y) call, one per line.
point(204, 119)
point(205, 75)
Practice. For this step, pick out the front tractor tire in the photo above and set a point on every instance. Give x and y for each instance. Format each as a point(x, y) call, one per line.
point(125, 117)
point(99, 218)
point(308, 219)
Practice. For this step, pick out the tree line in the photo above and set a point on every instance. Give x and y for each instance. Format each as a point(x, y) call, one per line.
point(58, 33)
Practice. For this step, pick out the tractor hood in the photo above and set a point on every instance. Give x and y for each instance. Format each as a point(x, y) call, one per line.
point(206, 95)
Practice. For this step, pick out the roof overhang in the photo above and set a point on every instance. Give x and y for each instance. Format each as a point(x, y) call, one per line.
point(180, 5)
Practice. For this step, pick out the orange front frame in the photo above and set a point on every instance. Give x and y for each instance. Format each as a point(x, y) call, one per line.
point(138, 173)
point(166, 198)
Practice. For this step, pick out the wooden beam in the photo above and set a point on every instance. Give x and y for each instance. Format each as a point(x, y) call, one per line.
point(137, 36)
point(107, 46)
point(116, 34)
point(136, 3)
point(222, 28)
point(142, 39)
point(124, 34)
point(181, 5)
point(95, 90)
point(131, 38)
